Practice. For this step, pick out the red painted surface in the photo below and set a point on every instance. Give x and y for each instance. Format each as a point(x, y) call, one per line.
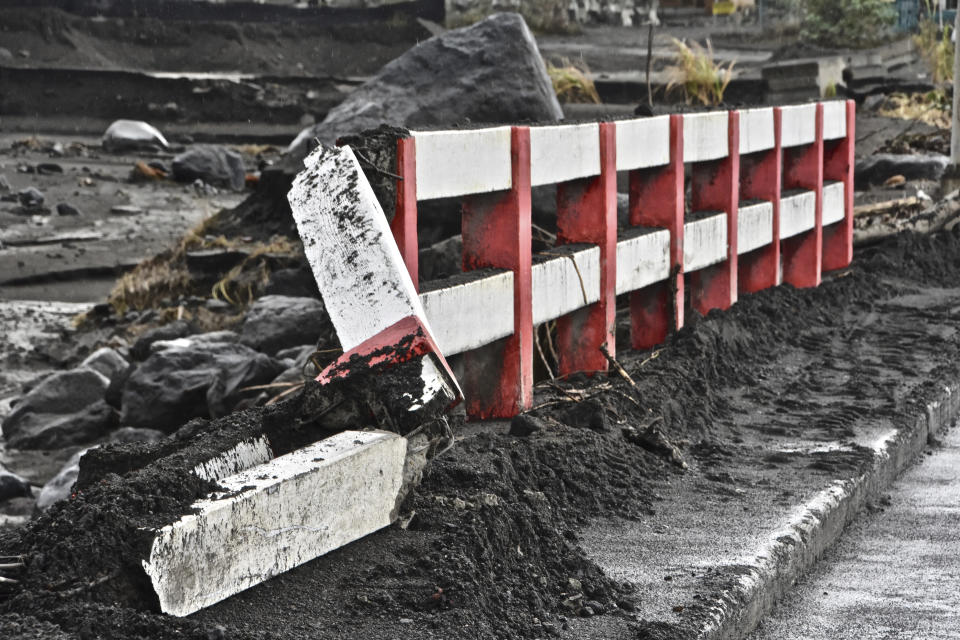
point(803, 169)
point(761, 176)
point(400, 342)
point(657, 200)
point(498, 378)
point(838, 164)
point(716, 187)
point(404, 223)
point(587, 212)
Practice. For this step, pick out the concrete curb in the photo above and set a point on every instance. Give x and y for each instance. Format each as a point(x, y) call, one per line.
point(818, 524)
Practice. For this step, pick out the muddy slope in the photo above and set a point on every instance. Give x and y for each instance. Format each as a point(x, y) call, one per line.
point(489, 546)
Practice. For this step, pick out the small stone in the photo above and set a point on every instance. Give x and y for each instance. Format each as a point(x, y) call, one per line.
point(574, 585)
point(214, 304)
point(31, 197)
point(66, 209)
point(125, 210)
point(595, 606)
point(4, 184)
point(524, 425)
point(23, 53)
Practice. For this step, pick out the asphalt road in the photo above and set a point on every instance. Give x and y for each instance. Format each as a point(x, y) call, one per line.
point(895, 572)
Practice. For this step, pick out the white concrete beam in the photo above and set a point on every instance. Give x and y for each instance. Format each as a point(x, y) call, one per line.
point(798, 213)
point(834, 119)
point(471, 314)
point(705, 136)
point(458, 163)
point(643, 143)
point(277, 516)
point(833, 202)
point(798, 125)
point(754, 227)
point(557, 288)
point(564, 152)
point(643, 260)
point(756, 130)
point(704, 242)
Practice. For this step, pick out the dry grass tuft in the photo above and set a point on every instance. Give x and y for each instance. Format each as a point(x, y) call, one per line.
point(936, 49)
point(572, 84)
point(932, 108)
point(695, 71)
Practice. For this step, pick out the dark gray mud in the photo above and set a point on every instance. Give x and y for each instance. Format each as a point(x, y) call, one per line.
point(487, 546)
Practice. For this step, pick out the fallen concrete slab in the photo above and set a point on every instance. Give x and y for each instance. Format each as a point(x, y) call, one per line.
point(276, 516)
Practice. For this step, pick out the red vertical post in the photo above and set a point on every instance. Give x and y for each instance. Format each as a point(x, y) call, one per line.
point(498, 380)
point(761, 177)
point(404, 223)
point(716, 187)
point(657, 200)
point(803, 169)
point(587, 212)
point(838, 164)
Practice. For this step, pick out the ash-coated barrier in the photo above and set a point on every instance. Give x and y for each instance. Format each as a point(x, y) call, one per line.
point(771, 201)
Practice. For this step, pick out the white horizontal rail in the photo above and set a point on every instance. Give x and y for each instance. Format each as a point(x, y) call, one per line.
point(756, 130)
point(643, 260)
point(565, 283)
point(705, 136)
point(704, 242)
point(754, 227)
point(643, 143)
point(471, 314)
point(798, 213)
point(458, 163)
point(562, 153)
point(833, 202)
point(798, 125)
point(834, 120)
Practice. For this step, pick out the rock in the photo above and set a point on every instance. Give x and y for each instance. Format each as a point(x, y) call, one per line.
point(4, 184)
point(23, 53)
point(125, 210)
point(65, 209)
point(59, 430)
point(589, 413)
point(61, 392)
point(442, 259)
point(172, 331)
point(60, 486)
point(5, 54)
point(31, 197)
point(490, 72)
point(49, 169)
point(299, 283)
point(295, 355)
point(175, 385)
point(107, 362)
point(524, 425)
point(277, 322)
point(200, 338)
point(133, 135)
point(213, 164)
point(879, 167)
point(12, 485)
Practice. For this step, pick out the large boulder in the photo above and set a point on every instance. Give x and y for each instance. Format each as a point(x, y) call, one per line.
point(487, 73)
point(202, 380)
point(133, 135)
point(12, 485)
point(876, 169)
point(66, 409)
point(213, 164)
point(274, 323)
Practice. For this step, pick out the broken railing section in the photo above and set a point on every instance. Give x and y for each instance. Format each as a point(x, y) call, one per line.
point(772, 202)
point(272, 514)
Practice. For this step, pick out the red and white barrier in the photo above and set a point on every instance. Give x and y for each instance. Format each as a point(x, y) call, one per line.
point(771, 202)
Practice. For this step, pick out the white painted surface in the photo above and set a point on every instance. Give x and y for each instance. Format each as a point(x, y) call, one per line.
point(756, 130)
point(643, 260)
point(470, 315)
point(834, 120)
point(833, 205)
point(347, 240)
point(798, 213)
point(643, 143)
point(240, 457)
point(704, 242)
point(754, 227)
point(798, 125)
point(457, 163)
point(556, 285)
point(564, 152)
point(705, 136)
point(277, 516)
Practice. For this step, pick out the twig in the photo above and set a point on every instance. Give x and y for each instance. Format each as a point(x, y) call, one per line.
point(543, 358)
point(550, 346)
point(277, 398)
point(616, 365)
